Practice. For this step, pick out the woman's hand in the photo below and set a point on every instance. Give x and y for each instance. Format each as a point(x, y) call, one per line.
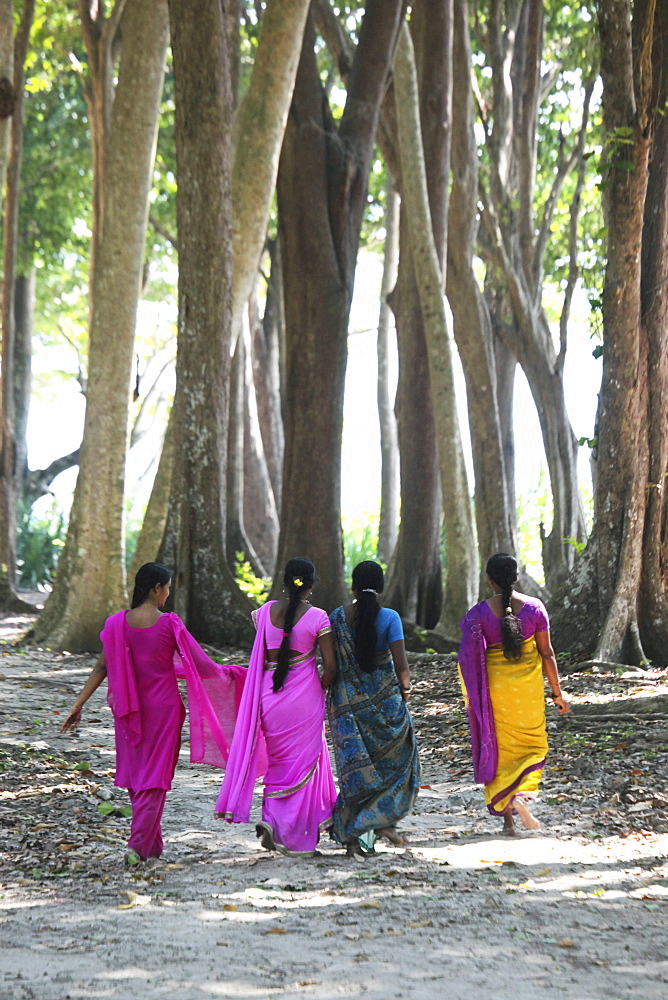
point(562, 703)
point(72, 720)
point(406, 694)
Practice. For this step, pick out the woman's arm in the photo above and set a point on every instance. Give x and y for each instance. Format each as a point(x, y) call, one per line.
point(551, 672)
point(95, 678)
point(326, 644)
point(401, 668)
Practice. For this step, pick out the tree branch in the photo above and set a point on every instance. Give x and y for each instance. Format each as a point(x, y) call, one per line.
point(163, 231)
point(573, 268)
point(564, 167)
point(38, 481)
point(335, 36)
point(112, 23)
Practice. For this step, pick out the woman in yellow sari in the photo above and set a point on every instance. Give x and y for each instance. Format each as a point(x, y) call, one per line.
point(505, 651)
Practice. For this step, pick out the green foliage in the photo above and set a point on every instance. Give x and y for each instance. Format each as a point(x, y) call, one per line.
point(360, 542)
point(38, 545)
point(255, 587)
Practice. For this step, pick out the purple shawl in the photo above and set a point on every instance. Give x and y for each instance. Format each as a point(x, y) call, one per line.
point(248, 757)
point(214, 690)
point(473, 666)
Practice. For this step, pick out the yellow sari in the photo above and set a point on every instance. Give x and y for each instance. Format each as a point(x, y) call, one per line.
point(518, 702)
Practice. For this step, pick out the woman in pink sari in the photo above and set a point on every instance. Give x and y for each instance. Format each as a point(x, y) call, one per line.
point(280, 731)
point(143, 653)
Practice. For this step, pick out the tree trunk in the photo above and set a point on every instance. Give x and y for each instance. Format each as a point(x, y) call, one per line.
point(265, 337)
point(206, 594)
point(155, 516)
point(461, 553)
point(237, 540)
point(91, 580)
point(621, 586)
point(322, 187)
point(24, 317)
point(494, 504)
point(415, 577)
point(7, 90)
point(259, 125)
point(259, 503)
point(9, 459)
point(389, 445)
point(518, 242)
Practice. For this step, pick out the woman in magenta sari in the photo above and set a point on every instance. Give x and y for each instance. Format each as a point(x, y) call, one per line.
point(143, 653)
point(280, 731)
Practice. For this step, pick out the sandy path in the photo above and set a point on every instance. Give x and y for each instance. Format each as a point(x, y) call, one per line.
point(575, 911)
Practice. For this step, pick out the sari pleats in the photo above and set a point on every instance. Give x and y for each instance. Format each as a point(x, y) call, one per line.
point(518, 702)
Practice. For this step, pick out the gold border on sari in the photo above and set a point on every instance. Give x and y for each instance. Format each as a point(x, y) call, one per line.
point(293, 661)
point(295, 788)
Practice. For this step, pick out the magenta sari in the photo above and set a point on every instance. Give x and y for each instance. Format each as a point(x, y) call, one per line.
point(281, 736)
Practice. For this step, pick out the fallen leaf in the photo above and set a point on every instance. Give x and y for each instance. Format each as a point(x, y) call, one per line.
point(230, 908)
point(134, 899)
point(565, 943)
point(275, 930)
point(544, 871)
point(420, 923)
point(371, 905)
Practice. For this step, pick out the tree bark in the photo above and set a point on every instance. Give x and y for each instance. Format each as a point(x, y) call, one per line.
point(415, 576)
point(518, 242)
point(322, 186)
point(155, 516)
point(259, 125)
point(197, 520)
point(266, 352)
point(6, 84)
point(621, 588)
point(91, 580)
point(9, 459)
point(24, 318)
point(494, 503)
point(461, 552)
point(389, 445)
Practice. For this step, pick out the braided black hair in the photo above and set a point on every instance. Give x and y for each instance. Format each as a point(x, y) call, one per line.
point(502, 569)
point(148, 576)
point(298, 578)
point(368, 582)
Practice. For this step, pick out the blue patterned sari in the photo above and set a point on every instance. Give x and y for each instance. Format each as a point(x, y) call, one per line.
point(374, 742)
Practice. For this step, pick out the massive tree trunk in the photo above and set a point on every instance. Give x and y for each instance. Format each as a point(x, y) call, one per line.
point(266, 356)
point(622, 584)
point(9, 459)
point(389, 446)
point(322, 185)
point(426, 205)
point(91, 580)
point(206, 594)
point(494, 501)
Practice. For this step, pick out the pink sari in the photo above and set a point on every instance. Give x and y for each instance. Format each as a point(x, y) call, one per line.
point(281, 736)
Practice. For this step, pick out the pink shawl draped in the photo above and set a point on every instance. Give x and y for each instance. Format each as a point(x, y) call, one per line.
point(248, 758)
point(473, 666)
point(214, 690)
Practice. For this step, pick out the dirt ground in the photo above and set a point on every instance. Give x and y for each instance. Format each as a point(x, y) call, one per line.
point(577, 910)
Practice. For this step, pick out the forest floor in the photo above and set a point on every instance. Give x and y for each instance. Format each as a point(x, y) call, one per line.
point(577, 910)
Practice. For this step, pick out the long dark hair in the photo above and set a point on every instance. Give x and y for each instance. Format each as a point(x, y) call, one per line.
point(146, 579)
point(502, 569)
point(369, 583)
point(298, 578)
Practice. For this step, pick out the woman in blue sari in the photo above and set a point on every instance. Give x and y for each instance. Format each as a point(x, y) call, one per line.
point(372, 731)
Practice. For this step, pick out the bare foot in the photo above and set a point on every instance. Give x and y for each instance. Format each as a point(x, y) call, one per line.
point(390, 833)
point(266, 837)
point(529, 821)
point(509, 824)
point(354, 850)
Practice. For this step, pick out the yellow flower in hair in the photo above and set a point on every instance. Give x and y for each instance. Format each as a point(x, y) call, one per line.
point(298, 582)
